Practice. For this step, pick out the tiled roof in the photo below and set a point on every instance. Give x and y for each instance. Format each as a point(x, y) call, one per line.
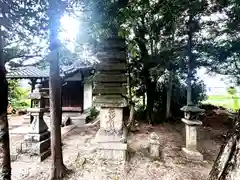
point(27, 72)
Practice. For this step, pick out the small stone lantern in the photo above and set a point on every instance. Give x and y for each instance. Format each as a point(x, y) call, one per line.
point(191, 113)
point(154, 145)
point(37, 140)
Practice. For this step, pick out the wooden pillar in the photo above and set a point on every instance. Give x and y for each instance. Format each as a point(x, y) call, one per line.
point(33, 83)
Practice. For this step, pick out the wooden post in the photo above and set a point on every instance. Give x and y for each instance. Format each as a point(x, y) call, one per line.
point(33, 83)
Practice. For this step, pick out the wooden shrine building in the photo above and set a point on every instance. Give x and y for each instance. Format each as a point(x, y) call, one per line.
point(76, 84)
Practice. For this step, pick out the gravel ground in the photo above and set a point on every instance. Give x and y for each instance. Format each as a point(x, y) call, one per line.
point(79, 156)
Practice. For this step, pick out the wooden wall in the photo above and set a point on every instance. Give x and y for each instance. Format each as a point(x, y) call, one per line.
point(72, 95)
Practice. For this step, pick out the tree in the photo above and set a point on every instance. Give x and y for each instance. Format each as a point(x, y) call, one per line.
point(5, 162)
point(226, 166)
point(151, 29)
point(18, 21)
point(58, 169)
point(224, 54)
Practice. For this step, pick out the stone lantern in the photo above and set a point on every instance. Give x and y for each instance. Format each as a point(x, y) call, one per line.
point(191, 113)
point(154, 145)
point(37, 140)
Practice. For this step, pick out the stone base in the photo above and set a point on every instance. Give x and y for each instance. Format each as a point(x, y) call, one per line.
point(111, 146)
point(107, 152)
point(37, 137)
point(34, 158)
point(192, 155)
point(36, 146)
point(78, 120)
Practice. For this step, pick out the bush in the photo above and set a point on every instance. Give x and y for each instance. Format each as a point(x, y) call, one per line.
point(92, 112)
point(140, 113)
point(18, 96)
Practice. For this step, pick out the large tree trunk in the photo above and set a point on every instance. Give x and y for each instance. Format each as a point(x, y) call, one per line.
point(227, 164)
point(169, 95)
point(151, 87)
point(5, 162)
point(144, 100)
point(58, 170)
point(190, 61)
point(131, 119)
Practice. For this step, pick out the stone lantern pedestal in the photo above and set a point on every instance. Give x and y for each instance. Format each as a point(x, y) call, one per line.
point(36, 143)
point(191, 123)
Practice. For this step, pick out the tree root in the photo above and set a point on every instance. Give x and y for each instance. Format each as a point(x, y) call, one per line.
point(59, 172)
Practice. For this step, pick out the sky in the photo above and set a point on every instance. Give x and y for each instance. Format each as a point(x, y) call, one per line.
point(70, 28)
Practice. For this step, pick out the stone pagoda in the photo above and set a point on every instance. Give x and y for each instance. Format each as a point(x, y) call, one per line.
point(191, 113)
point(110, 89)
point(37, 140)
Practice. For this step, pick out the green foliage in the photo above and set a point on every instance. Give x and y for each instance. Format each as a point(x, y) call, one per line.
point(232, 91)
point(140, 113)
point(179, 98)
point(92, 112)
point(18, 96)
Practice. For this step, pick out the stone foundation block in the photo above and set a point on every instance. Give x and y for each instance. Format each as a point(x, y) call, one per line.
point(192, 155)
point(35, 148)
point(109, 154)
point(37, 137)
point(112, 151)
point(79, 120)
point(34, 158)
point(111, 146)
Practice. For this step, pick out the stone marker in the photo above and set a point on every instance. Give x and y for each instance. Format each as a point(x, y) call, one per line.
point(37, 140)
point(154, 145)
point(190, 119)
point(109, 88)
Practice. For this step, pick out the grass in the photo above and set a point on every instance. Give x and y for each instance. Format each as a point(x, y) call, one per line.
point(226, 101)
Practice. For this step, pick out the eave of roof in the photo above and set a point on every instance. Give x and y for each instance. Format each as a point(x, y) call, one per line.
point(32, 72)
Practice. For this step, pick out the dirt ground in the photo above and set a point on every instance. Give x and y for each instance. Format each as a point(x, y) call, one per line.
point(79, 155)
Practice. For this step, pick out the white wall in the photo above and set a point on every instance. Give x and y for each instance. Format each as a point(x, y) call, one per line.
point(87, 95)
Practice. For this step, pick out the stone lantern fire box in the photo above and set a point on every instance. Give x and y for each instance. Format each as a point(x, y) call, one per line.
point(37, 140)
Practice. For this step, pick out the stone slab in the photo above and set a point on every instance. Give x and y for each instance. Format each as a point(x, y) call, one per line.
point(119, 67)
point(192, 155)
point(109, 90)
point(78, 120)
point(37, 110)
point(192, 108)
point(110, 101)
point(34, 158)
point(110, 78)
point(192, 122)
point(112, 146)
point(112, 56)
point(112, 155)
point(102, 136)
point(33, 148)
